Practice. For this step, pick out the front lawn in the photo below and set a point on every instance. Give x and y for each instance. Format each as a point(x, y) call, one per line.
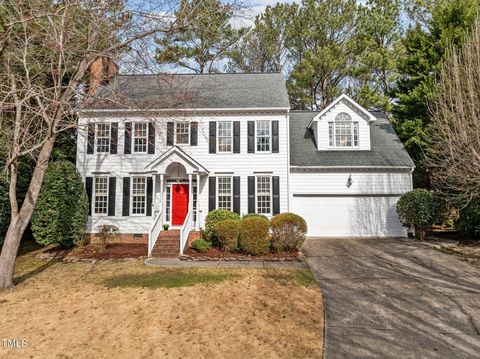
point(127, 309)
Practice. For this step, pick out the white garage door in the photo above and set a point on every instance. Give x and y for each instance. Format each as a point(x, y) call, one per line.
point(349, 216)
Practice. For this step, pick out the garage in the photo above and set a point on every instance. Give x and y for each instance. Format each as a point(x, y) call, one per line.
point(349, 216)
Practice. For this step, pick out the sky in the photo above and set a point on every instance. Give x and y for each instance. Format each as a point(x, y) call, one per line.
point(254, 8)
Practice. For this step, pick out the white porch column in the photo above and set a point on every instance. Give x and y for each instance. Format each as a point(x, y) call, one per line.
point(197, 227)
point(160, 200)
point(190, 193)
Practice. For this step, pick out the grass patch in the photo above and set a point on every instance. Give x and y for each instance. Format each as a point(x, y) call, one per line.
point(299, 277)
point(169, 279)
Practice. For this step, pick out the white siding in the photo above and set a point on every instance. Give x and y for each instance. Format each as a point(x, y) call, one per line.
point(243, 164)
point(365, 209)
point(322, 123)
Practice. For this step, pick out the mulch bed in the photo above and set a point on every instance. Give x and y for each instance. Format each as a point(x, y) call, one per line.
point(215, 253)
point(113, 251)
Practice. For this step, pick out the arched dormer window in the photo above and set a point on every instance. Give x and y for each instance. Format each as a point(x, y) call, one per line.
point(343, 132)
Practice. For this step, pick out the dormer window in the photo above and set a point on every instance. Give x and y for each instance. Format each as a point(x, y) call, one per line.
point(343, 132)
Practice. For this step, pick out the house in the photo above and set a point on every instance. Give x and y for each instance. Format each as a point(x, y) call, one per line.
point(167, 149)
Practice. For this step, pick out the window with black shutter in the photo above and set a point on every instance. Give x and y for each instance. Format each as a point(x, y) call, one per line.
point(275, 144)
point(170, 133)
point(194, 134)
point(236, 194)
point(212, 137)
point(151, 138)
point(236, 137)
point(212, 186)
point(251, 194)
point(251, 136)
point(276, 194)
point(112, 184)
point(126, 197)
point(113, 138)
point(127, 148)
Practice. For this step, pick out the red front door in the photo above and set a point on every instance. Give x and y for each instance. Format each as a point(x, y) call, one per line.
point(179, 203)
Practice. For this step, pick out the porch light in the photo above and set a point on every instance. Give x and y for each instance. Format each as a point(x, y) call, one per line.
point(349, 181)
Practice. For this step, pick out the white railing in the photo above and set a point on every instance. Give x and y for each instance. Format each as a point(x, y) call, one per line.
point(185, 231)
point(155, 232)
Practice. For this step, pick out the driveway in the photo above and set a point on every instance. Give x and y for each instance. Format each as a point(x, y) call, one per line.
point(395, 298)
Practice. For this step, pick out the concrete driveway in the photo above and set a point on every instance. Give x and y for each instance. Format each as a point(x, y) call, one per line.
point(395, 298)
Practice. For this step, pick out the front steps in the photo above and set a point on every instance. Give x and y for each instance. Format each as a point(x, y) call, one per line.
point(167, 245)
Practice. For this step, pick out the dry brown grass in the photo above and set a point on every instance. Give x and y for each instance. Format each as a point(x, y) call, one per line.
point(82, 310)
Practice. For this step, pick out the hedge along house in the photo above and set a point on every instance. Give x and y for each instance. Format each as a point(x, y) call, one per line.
point(167, 149)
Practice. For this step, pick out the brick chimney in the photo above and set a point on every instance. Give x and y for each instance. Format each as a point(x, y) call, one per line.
point(102, 71)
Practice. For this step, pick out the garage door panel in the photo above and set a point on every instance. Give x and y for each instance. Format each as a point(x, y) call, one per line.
point(355, 216)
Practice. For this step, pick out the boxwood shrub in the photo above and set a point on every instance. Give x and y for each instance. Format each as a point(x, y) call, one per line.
point(214, 217)
point(201, 245)
point(288, 232)
point(227, 232)
point(254, 238)
point(256, 215)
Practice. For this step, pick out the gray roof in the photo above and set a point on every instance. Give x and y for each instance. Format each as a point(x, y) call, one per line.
point(386, 147)
point(191, 91)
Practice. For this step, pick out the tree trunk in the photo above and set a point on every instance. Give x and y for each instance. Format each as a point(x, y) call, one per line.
point(19, 222)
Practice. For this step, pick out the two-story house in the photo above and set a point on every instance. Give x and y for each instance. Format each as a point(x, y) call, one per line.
point(167, 149)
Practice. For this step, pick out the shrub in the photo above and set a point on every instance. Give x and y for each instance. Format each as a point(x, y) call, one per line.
point(469, 222)
point(62, 207)
point(256, 215)
point(106, 233)
point(254, 238)
point(418, 209)
point(227, 232)
point(201, 245)
point(288, 232)
point(214, 217)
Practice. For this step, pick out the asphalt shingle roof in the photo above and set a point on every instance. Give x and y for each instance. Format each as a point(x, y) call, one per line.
point(190, 91)
point(386, 147)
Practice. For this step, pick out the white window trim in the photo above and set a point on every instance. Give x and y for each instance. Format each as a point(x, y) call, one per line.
point(109, 138)
point(133, 138)
point(271, 195)
point(175, 133)
point(231, 137)
point(343, 148)
point(218, 192)
point(131, 197)
point(256, 137)
point(95, 194)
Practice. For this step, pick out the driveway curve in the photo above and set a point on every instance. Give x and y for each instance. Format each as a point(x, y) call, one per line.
point(395, 298)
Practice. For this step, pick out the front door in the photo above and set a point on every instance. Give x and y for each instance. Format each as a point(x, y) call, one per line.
point(179, 203)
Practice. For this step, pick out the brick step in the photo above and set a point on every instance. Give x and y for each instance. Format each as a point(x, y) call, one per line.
point(163, 240)
point(163, 255)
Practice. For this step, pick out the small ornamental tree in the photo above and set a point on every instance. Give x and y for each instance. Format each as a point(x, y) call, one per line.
point(62, 208)
point(418, 209)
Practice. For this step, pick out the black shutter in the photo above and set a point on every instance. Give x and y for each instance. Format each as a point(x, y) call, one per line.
point(275, 136)
point(127, 149)
point(276, 194)
point(113, 138)
point(151, 138)
point(251, 136)
point(212, 193)
point(236, 194)
point(112, 184)
point(126, 196)
point(194, 134)
point(212, 136)
point(91, 138)
point(89, 189)
point(251, 194)
point(149, 195)
point(170, 133)
point(236, 137)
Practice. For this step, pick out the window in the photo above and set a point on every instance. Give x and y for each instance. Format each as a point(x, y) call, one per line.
point(343, 132)
point(225, 193)
point(167, 204)
point(103, 137)
point(263, 136)
point(224, 137)
point(139, 195)
point(182, 133)
point(264, 195)
point(101, 195)
point(140, 137)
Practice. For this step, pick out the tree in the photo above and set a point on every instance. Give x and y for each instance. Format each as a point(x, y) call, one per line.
point(262, 48)
point(454, 155)
point(200, 45)
point(320, 47)
point(46, 50)
point(424, 47)
point(61, 212)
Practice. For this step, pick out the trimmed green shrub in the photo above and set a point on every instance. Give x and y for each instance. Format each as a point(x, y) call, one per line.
point(256, 215)
point(201, 245)
point(227, 232)
point(105, 234)
point(418, 209)
point(62, 207)
point(469, 222)
point(214, 217)
point(288, 232)
point(254, 238)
